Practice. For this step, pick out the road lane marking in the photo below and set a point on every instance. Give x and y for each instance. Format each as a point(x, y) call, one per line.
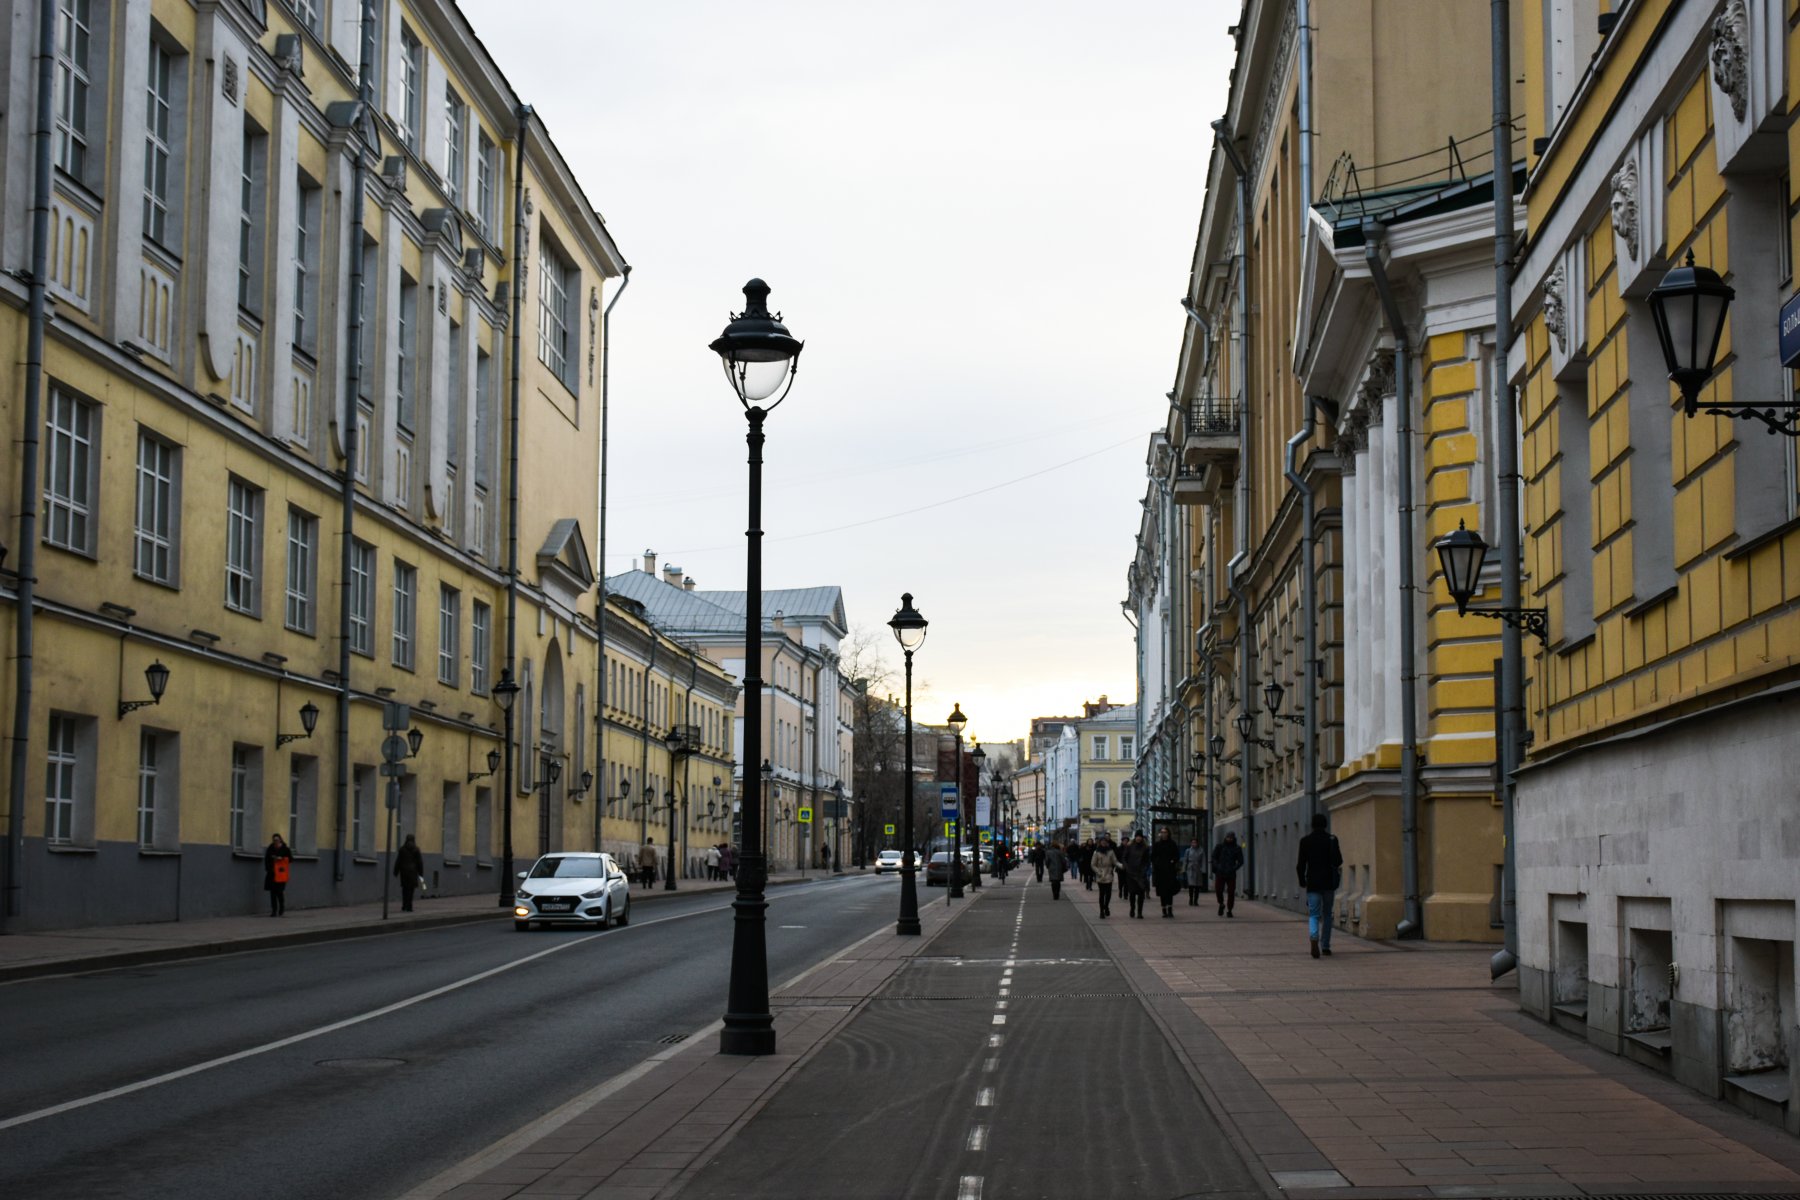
point(992, 1064)
point(997, 1020)
point(969, 1188)
point(978, 1138)
point(984, 1098)
point(995, 1040)
point(335, 1026)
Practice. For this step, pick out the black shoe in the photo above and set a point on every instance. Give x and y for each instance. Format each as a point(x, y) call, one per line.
point(1325, 950)
point(1315, 947)
point(1229, 913)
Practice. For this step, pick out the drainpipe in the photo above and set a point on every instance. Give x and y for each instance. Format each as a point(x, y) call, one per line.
point(1412, 919)
point(365, 56)
point(521, 269)
point(1303, 22)
point(1206, 729)
point(647, 798)
point(600, 690)
point(24, 583)
point(1247, 703)
point(1238, 165)
point(1309, 616)
point(1510, 739)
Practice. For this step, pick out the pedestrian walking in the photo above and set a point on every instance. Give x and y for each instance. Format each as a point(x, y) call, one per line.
point(1106, 869)
point(647, 862)
point(1227, 857)
point(1037, 862)
point(712, 863)
point(1193, 871)
point(1087, 864)
point(409, 865)
point(277, 861)
point(1321, 869)
point(728, 860)
point(1165, 869)
point(1056, 862)
point(824, 857)
point(1134, 864)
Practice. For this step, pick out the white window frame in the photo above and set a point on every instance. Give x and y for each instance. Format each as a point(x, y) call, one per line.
point(62, 780)
point(1099, 795)
point(362, 599)
point(556, 349)
point(243, 776)
point(307, 13)
point(455, 140)
point(71, 438)
point(243, 547)
point(449, 634)
point(1127, 747)
point(158, 516)
point(406, 598)
point(74, 61)
point(302, 571)
point(480, 615)
point(158, 143)
point(487, 184)
point(406, 356)
point(306, 249)
point(149, 783)
point(250, 191)
point(412, 77)
point(1100, 745)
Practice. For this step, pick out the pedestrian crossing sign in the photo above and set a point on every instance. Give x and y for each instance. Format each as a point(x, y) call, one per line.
point(888, 829)
point(806, 816)
point(949, 829)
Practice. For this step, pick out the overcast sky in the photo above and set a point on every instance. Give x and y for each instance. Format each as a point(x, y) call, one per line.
point(979, 217)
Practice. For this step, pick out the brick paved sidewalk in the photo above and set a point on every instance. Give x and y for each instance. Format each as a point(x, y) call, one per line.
point(1403, 1069)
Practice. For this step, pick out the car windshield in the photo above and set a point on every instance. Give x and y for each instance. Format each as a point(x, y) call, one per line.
point(890, 855)
point(569, 866)
point(941, 856)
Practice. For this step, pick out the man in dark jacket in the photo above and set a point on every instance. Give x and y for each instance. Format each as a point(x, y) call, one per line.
point(1320, 866)
point(409, 865)
point(1134, 868)
point(1227, 857)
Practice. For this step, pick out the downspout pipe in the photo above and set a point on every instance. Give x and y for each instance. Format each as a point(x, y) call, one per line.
point(1303, 97)
point(1309, 617)
point(1247, 703)
point(605, 445)
point(1201, 636)
point(1510, 742)
point(25, 582)
point(365, 57)
point(1241, 522)
point(1412, 918)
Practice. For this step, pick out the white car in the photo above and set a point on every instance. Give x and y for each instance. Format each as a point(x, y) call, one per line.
point(572, 889)
point(891, 860)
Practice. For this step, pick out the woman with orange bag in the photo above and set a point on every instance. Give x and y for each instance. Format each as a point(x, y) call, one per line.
point(277, 859)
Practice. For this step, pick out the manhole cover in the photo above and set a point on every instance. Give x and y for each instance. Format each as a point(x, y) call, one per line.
point(360, 1064)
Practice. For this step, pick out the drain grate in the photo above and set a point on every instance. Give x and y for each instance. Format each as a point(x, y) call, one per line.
point(671, 1039)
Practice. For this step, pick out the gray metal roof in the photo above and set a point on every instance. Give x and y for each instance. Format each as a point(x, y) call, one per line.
point(699, 611)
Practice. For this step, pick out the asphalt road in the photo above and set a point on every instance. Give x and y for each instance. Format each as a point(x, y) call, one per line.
point(398, 1080)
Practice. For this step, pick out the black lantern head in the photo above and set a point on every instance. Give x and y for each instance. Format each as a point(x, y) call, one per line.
point(979, 755)
point(1461, 555)
point(1689, 307)
point(758, 353)
point(506, 691)
point(552, 769)
point(157, 676)
point(309, 717)
point(1272, 694)
point(1246, 725)
point(493, 762)
point(908, 625)
point(587, 781)
point(415, 737)
point(956, 721)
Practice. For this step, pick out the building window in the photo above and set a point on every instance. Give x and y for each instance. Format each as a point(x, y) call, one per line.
point(149, 788)
point(307, 13)
point(484, 418)
point(1099, 793)
point(1100, 747)
point(303, 804)
point(406, 588)
point(484, 825)
point(362, 811)
point(250, 189)
point(412, 75)
point(449, 634)
point(244, 798)
point(61, 784)
point(157, 143)
point(487, 185)
point(306, 265)
point(555, 281)
point(302, 570)
point(1127, 796)
point(1127, 744)
point(69, 480)
point(362, 598)
point(406, 399)
point(478, 648)
point(156, 509)
point(367, 293)
point(243, 520)
point(455, 118)
point(74, 49)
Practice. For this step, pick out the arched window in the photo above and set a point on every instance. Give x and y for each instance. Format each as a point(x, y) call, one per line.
point(1099, 793)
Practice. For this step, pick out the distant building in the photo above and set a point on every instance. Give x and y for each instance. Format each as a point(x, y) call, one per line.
point(1107, 742)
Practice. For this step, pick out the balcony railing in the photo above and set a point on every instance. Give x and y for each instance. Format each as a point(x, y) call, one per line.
point(1212, 418)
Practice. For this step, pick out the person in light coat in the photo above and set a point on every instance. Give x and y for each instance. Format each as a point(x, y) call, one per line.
point(1106, 869)
point(1193, 871)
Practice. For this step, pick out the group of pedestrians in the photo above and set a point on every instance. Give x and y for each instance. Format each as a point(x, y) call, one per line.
point(721, 861)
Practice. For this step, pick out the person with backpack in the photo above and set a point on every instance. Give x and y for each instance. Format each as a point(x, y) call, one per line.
point(1321, 869)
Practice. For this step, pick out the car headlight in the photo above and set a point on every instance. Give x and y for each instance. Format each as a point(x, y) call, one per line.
point(521, 911)
point(594, 895)
point(521, 894)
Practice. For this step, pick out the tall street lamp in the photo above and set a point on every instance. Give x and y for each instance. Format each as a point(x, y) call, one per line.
point(506, 691)
point(956, 721)
point(837, 827)
point(759, 357)
point(909, 631)
point(980, 757)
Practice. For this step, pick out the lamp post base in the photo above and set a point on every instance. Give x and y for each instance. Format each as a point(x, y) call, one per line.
point(749, 1026)
point(908, 924)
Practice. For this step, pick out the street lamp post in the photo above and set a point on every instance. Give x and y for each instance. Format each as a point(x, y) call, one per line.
point(980, 757)
point(759, 357)
point(837, 827)
point(953, 867)
point(909, 630)
point(506, 691)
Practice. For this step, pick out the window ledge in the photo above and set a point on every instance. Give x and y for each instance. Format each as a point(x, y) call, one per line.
point(150, 852)
point(484, 866)
point(1773, 1086)
point(1756, 543)
point(1567, 648)
point(313, 858)
point(1644, 606)
point(66, 849)
point(254, 855)
point(1578, 1011)
point(368, 860)
point(1657, 1041)
point(453, 862)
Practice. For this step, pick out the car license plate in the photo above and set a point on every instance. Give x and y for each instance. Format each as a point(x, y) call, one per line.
point(556, 905)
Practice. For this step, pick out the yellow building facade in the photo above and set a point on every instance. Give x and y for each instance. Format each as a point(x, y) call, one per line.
point(198, 403)
point(1658, 855)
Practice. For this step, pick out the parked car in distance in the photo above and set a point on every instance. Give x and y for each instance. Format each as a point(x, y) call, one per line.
point(572, 889)
point(937, 871)
point(892, 860)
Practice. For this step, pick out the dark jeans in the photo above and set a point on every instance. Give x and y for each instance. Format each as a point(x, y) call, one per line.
point(277, 899)
point(1040, 872)
point(1105, 899)
point(1136, 896)
point(1056, 889)
point(406, 896)
point(1225, 887)
point(1193, 894)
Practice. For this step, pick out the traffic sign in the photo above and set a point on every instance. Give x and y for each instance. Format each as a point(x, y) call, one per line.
point(888, 829)
point(806, 816)
point(950, 829)
point(394, 748)
point(948, 806)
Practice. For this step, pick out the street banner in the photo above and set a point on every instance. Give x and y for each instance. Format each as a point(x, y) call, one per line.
point(984, 811)
point(948, 806)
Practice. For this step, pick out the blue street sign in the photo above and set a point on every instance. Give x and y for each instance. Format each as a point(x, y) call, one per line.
point(947, 804)
point(1790, 331)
